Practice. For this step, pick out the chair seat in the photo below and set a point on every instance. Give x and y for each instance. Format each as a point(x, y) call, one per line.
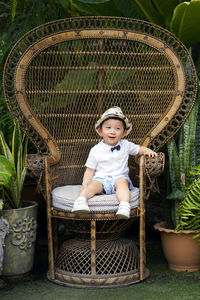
point(63, 198)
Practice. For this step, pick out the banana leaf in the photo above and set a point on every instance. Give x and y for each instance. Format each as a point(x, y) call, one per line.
point(150, 11)
point(156, 11)
point(65, 4)
point(94, 1)
point(166, 9)
point(185, 22)
point(130, 9)
point(107, 8)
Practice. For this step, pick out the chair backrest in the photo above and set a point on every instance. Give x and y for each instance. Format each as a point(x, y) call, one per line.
point(61, 76)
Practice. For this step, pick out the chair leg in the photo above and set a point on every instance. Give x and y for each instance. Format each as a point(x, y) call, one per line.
point(93, 247)
point(55, 237)
point(50, 247)
point(49, 220)
point(142, 223)
point(142, 248)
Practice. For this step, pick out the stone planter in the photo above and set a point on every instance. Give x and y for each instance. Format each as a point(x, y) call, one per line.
point(181, 251)
point(4, 229)
point(20, 241)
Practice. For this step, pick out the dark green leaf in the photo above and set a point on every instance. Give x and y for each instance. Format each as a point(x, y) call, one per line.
point(13, 9)
point(7, 171)
point(174, 165)
point(185, 22)
point(94, 1)
point(151, 13)
point(16, 143)
point(4, 149)
point(104, 9)
point(176, 195)
point(166, 9)
point(65, 4)
point(130, 9)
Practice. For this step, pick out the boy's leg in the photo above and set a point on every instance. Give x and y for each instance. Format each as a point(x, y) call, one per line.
point(80, 204)
point(93, 188)
point(122, 189)
point(123, 195)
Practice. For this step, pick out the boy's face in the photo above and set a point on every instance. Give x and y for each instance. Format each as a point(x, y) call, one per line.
point(112, 130)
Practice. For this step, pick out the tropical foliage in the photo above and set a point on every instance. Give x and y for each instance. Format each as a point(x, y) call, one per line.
point(181, 153)
point(18, 17)
point(180, 17)
point(189, 208)
point(12, 168)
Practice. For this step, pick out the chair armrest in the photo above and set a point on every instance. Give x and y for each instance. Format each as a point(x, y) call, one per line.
point(35, 165)
point(154, 166)
point(35, 169)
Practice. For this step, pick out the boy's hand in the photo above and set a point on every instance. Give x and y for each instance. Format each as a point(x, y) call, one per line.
point(147, 152)
point(150, 153)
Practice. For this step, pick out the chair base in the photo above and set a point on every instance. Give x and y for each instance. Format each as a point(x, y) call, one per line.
point(106, 281)
point(117, 264)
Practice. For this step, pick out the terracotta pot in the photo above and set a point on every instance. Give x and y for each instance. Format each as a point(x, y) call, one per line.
point(180, 249)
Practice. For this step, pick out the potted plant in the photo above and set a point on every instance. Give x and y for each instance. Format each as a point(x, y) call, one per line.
point(21, 216)
point(179, 235)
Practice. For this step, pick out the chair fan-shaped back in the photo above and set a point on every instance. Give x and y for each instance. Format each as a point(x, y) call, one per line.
point(61, 76)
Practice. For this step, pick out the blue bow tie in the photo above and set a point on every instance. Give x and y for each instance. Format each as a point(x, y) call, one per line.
point(115, 148)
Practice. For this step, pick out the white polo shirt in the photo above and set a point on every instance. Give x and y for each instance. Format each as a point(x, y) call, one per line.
point(107, 162)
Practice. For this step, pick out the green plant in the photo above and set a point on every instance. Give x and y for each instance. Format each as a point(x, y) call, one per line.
point(181, 153)
point(180, 17)
point(12, 168)
point(189, 208)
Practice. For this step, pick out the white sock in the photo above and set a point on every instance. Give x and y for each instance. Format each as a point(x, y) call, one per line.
point(81, 198)
point(125, 204)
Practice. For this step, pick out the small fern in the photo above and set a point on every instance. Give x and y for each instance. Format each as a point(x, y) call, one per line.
point(189, 208)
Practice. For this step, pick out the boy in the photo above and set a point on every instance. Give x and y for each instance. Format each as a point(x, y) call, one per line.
point(107, 164)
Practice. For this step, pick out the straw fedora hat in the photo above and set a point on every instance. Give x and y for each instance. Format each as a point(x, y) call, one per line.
point(114, 112)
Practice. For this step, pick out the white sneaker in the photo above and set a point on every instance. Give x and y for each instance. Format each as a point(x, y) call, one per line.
point(123, 210)
point(80, 206)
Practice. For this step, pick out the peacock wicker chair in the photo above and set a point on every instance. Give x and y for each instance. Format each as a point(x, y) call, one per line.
point(58, 80)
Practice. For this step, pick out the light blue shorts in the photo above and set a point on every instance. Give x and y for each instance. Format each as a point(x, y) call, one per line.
point(108, 183)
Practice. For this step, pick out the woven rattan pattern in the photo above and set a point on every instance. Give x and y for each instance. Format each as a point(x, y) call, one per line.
point(108, 229)
point(155, 167)
point(70, 76)
point(112, 257)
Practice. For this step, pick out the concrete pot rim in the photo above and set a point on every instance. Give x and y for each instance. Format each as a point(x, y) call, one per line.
point(27, 204)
